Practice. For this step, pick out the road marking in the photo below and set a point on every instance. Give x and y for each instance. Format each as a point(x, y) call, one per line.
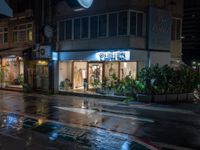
point(127, 117)
point(88, 112)
point(77, 110)
point(165, 109)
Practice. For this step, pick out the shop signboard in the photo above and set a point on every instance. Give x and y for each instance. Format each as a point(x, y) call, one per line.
point(113, 56)
point(159, 29)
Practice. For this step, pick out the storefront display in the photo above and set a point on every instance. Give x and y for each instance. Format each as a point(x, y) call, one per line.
point(128, 69)
point(111, 69)
point(95, 74)
point(82, 75)
point(79, 74)
point(13, 71)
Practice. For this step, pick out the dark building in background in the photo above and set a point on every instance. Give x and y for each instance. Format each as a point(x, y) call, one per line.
point(191, 32)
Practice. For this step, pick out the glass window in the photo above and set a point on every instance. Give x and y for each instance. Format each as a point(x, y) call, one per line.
point(113, 24)
point(5, 37)
point(14, 36)
point(133, 23)
point(173, 33)
point(128, 69)
point(61, 31)
point(1, 38)
point(30, 35)
point(84, 27)
point(68, 30)
point(94, 26)
point(77, 29)
point(22, 35)
point(122, 23)
point(111, 69)
point(102, 25)
point(178, 29)
point(139, 24)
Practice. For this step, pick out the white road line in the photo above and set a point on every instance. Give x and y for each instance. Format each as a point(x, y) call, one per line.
point(88, 112)
point(127, 117)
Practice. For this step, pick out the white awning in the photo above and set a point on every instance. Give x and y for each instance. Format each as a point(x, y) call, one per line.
point(5, 10)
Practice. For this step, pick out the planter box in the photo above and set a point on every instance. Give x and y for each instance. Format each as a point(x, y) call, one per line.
point(160, 98)
point(172, 97)
point(144, 98)
point(182, 97)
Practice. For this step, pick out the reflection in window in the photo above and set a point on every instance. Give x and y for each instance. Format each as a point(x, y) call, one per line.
point(68, 28)
point(102, 25)
point(94, 26)
point(30, 35)
point(123, 21)
point(113, 24)
point(133, 23)
point(139, 24)
point(84, 27)
point(176, 29)
point(77, 29)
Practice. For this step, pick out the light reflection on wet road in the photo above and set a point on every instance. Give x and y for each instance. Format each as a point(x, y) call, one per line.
point(102, 129)
point(80, 122)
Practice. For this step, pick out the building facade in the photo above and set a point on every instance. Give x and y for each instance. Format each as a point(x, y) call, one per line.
point(191, 32)
point(115, 38)
point(24, 49)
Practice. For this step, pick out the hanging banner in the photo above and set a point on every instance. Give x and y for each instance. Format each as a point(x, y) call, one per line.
point(159, 29)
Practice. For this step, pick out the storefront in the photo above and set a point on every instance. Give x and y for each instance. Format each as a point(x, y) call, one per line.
point(93, 68)
point(39, 69)
point(12, 72)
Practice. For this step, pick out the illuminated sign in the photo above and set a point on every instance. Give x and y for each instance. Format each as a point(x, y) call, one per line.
point(85, 3)
point(80, 4)
point(54, 56)
point(113, 56)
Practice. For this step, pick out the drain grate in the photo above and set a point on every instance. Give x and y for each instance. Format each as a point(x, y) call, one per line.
point(71, 132)
point(12, 123)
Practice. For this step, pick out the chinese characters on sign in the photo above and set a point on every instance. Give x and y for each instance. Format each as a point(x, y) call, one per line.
point(114, 56)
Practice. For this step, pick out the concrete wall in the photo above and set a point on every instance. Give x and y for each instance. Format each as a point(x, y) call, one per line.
point(122, 42)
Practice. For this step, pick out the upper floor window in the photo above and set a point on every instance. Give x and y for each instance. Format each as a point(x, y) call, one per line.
point(84, 27)
point(68, 30)
point(122, 23)
point(22, 33)
point(102, 25)
point(77, 29)
point(61, 31)
point(176, 29)
point(93, 27)
point(112, 24)
point(3, 35)
point(136, 23)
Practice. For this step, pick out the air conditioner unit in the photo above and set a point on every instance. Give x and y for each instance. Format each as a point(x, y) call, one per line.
point(45, 52)
point(29, 13)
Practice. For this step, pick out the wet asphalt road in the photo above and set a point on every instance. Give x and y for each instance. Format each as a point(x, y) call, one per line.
point(95, 124)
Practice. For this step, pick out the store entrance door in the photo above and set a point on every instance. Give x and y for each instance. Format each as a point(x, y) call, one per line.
point(42, 77)
point(95, 74)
